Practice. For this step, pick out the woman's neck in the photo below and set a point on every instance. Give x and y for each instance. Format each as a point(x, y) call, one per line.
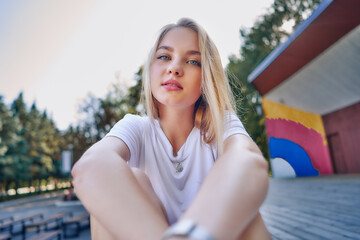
point(177, 125)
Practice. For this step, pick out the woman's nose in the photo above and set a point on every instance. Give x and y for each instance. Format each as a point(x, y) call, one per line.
point(176, 69)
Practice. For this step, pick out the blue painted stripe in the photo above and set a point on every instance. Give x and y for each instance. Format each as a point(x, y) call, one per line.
point(294, 154)
point(277, 51)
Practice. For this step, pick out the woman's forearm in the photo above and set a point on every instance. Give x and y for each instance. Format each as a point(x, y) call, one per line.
point(231, 194)
point(109, 191)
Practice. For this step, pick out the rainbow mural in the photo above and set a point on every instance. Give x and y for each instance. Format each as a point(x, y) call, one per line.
point(297, 141)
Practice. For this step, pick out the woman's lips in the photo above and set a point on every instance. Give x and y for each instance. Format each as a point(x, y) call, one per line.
point(172, 85)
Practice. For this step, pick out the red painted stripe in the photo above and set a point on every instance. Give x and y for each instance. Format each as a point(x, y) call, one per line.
point(310, 140)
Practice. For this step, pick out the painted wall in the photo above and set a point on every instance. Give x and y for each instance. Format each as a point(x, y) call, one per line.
point(343, 133)
point(297, 141)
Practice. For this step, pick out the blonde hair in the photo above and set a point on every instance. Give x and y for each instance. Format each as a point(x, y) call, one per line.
point(216, 99)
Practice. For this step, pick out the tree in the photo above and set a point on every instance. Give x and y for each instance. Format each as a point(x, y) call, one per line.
point(43, 140)
point(257, 42)
point(133, 97)
point(18, 153)
point(76, 137)
point(30, 145)
point(100, 114)
point(9, 127)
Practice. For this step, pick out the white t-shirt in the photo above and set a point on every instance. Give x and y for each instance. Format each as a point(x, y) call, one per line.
point(151, 151)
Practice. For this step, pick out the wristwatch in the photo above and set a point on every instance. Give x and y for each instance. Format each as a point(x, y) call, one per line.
point(188, 229)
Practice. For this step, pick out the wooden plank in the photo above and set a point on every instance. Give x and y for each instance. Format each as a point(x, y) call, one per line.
point(345, 217)
point(326, 217)
point(293, 228)
point(279, 234)
point(309, 216)
point(75, 221)
point(5, 237)
point(319, 226)
point(46, 235)
point(325, 207)
point(346, 214)
point(6, 219)
point(55, 220)
point(78, 218)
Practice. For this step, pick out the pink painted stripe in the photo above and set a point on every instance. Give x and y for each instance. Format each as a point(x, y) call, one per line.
point(307, 138)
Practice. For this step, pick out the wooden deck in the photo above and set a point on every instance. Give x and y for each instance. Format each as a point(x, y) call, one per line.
point(325, 207)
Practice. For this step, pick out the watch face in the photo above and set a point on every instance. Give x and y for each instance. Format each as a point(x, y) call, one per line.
point(184, 227)
point(188, 228)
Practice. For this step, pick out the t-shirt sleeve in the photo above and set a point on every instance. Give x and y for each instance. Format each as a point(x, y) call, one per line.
point(130, 129)
point(233, 125)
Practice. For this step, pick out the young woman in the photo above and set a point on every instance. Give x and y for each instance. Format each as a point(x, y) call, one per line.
point(187, 170)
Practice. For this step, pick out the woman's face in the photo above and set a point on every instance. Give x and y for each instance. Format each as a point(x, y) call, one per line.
point(175, 73)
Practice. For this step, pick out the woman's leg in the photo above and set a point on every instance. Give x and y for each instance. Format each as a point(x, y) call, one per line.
point(145, 184)
point(98, 232)
point(256, 230)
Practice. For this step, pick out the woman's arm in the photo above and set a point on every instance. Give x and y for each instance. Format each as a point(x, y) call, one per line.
point(110, 192)
point(233, 191)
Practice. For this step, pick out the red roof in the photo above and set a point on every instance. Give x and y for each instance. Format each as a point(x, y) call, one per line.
point(329, 22)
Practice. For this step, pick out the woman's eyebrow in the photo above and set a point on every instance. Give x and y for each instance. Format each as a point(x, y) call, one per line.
point(190, 52)
point(193, 52)
point(166, 48)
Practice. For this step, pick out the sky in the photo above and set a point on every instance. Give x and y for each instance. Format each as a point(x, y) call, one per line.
point(56, 52)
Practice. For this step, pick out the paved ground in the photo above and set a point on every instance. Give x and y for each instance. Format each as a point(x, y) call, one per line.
point(314, 208)
point(47, 204)
point(301, 208)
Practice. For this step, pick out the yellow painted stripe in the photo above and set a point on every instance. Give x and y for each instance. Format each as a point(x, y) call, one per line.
point(274, 110)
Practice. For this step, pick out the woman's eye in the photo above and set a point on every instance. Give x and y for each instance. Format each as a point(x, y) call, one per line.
point(163, 57)
point(195, 63)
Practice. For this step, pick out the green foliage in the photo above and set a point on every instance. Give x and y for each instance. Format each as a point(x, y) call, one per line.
point(75, 137)
point(257, 42)
point(30, 144)
point(8, 140)
point(100, 114)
